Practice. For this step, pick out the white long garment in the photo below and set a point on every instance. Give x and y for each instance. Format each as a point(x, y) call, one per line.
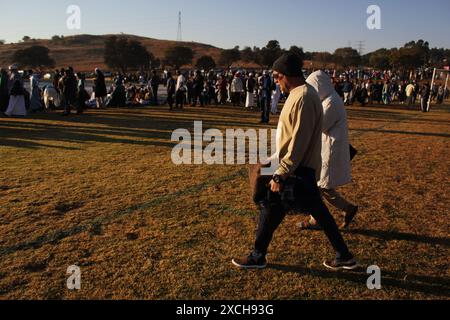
point(250, 101)
point(237, 85)
point(181, 83)
point(275, 99)
point(336, 167)
point(50, 94)
point(16, 106)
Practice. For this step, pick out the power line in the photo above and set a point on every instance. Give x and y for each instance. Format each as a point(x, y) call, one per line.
point(361, 47)
point(180, 35)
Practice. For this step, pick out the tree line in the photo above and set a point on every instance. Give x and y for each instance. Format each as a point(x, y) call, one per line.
point(124, 54)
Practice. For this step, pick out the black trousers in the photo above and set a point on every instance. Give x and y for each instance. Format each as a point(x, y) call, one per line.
point(155, 95)
point(170, 100)
point(197, 96)
point(265, 109)
point(180, 97)
point(68, 102)
point(273, 212)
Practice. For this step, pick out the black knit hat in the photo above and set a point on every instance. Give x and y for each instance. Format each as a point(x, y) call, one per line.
point(289, 64)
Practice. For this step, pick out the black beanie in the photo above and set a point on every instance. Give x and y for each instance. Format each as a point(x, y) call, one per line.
point(289, 64)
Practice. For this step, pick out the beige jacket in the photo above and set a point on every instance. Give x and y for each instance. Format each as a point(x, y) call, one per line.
point(299, 135)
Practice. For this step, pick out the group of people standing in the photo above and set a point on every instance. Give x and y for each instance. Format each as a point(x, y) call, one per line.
point(252, 90)
point(14, 99)
point(389, 91)
point(66, 90)
point(71, 88)
point(238, 88)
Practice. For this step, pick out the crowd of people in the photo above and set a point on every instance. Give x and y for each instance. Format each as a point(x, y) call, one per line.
point(387, 89)
point(254, 90)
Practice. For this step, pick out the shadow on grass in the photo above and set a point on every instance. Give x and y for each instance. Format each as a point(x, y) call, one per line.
point(392, 235)
point(21, 134)
point(426, 134)
point(438, 286)
point(111, 127)
point(17, 143)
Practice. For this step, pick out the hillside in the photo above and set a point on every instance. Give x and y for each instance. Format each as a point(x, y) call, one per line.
point(85, 52)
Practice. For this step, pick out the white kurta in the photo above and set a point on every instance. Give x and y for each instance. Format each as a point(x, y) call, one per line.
point(336, 166)
point(16, 106)
point(276, 99)
point(250, 101)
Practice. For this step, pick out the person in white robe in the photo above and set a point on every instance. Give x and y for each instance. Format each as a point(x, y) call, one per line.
point(336, 166)
point(16, 106)
point(276, 95)
point(14, 76)
point(250, 88)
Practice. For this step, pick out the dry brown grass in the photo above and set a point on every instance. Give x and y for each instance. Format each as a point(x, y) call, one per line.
point(99, 191)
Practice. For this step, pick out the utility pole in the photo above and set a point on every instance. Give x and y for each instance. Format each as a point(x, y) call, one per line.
point(361, 47)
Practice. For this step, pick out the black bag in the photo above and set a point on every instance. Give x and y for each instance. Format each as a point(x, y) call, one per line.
point(299, 192)
point(296, 195)
point(259, 184)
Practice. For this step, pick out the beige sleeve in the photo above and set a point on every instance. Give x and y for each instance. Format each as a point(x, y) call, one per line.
point(302, 131)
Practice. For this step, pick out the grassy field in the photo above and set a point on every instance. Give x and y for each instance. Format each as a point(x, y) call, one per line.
point(100, 191)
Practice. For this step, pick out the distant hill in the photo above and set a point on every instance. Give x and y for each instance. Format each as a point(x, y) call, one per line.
point(85, 52)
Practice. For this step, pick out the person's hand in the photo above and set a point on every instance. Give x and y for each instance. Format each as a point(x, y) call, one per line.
point(275, 187)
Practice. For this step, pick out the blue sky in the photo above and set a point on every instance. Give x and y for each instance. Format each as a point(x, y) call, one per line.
point(315, 25)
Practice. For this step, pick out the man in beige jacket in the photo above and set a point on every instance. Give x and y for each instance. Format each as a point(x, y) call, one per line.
point(299, 153)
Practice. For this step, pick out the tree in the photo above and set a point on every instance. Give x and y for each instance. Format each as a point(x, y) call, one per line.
point(178, 56)
point(124, 54)
point(138, 56)
point(26, 39)
point(270, 53)
point(298, 51)
point(2, 42)
point(446, 60)
point(248, 55)
point(437, 57)
point(309, 55)
point(206, 63)
point(322, 58)
point(412, 55)
point(273, 45)
point(380, 59)
point(347, 57)
point(34, 57)
point(227, 57)
point(56, 39)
